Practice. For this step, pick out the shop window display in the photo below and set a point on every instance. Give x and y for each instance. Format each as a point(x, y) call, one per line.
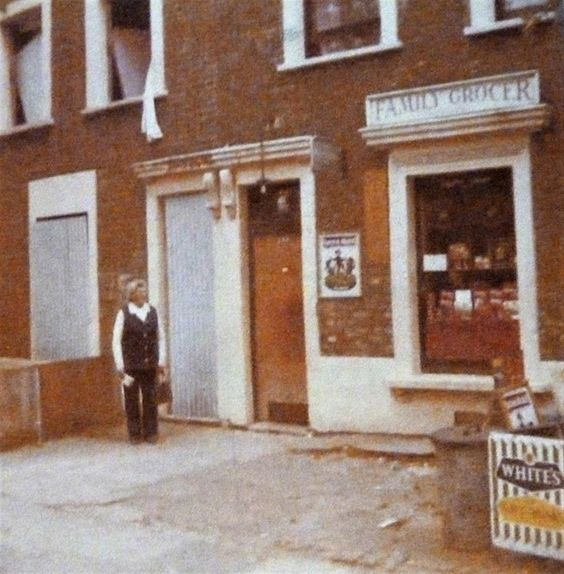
point(467, 279)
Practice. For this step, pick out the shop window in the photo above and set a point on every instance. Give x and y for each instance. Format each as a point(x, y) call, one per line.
point(24, 65)
point(490, 15)
point(123, 38)
point(320, 30)
point(467, 279)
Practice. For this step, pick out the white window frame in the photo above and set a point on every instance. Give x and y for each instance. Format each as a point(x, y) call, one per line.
point(98, 68)
point(294, 36)
point(64, 195)
point(483, 20)
point(404, 165)
point(12, 11)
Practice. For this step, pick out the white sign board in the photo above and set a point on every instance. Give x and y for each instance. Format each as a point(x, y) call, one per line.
point(527, 493)
point(496, 93)
point(339, 262)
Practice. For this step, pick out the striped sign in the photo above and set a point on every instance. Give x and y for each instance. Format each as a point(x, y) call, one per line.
point(527, 493)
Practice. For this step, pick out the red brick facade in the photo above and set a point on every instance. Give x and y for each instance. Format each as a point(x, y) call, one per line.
point(224, 88)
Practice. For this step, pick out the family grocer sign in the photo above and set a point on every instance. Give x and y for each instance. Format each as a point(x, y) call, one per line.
point(495, 93)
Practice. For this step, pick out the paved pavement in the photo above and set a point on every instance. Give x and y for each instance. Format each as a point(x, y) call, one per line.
point(211, 500)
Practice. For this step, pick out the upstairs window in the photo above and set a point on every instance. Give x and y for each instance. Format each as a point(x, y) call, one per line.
point(123, 39)
point(490, 15)
point(341, 25)
point(505, 9)
point(130, 47)
point(25, 77)
point(316, 31)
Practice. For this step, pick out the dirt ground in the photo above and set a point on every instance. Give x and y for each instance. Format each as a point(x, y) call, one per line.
point(212, 500)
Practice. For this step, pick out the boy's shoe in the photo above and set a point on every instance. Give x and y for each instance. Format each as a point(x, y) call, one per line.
point(153, 439)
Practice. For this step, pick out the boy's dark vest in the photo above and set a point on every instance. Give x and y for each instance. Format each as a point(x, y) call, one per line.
point(139, 343)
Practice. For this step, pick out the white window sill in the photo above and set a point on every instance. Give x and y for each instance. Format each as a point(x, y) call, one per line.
point(23, 128)
point(541, 17)
point(115, 105)
point(440, 382)
point(338, 56)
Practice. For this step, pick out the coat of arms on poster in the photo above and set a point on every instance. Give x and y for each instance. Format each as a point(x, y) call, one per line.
point(339, 261)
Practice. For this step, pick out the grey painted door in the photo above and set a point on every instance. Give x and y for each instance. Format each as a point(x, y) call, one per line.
point(192, 353)
point(59, 276)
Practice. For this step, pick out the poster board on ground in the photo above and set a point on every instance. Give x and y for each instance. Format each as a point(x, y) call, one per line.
point(526, 475)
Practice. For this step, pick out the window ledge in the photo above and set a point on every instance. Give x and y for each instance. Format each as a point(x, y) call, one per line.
point(23, 128)
point(338, 56)
point(539, 17)
point(467, 383)
point(494, 26)
point(93, 111)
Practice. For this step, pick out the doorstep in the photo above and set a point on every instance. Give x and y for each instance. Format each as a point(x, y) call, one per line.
point(280, 428)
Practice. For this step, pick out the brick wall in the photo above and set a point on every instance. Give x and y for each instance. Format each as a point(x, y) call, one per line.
point(223, 87)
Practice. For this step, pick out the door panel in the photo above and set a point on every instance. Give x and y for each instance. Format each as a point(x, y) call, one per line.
point(278, 322)
point(192, 352)
point(59, 276)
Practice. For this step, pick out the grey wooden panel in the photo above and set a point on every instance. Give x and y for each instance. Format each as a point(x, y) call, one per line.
point(191, 306)
point(59, 276)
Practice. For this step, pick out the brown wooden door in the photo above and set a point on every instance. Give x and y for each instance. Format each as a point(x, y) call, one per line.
point(277, 304)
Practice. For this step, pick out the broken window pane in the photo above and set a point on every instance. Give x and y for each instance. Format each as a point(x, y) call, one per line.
point(130, 47)
point(24, 38)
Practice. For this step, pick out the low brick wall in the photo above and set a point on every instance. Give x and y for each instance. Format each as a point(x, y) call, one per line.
point(46, 400)
point(76, 395)
point(19, 403)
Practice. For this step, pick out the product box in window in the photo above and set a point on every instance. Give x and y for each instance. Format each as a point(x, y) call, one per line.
point(431, 307)
point(446, 304)
point(509, 291)
point(481, 303)
point(502, 253)
point(510, 301)
point(459, 256)
point(496, 303)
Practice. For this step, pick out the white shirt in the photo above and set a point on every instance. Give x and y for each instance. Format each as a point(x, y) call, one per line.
point(142, 313)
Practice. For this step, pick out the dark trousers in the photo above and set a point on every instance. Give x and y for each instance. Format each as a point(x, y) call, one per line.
point(141, 423)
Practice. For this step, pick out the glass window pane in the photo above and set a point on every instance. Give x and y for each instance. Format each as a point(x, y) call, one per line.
point(340, 25)
point(467, 278)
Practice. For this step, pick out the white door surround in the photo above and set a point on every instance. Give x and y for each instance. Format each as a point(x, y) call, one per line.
point(223, 174)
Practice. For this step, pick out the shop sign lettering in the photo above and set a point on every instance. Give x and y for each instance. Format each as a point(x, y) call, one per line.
point(533, 477)
point(510, 91)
